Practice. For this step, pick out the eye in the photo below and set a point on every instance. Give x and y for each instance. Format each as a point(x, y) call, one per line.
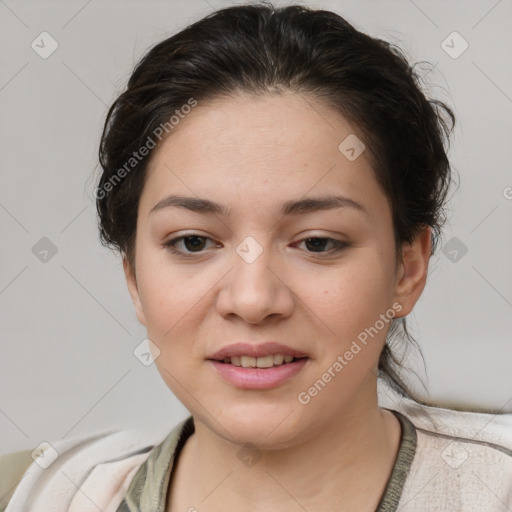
point(318, 244)
point(195, 244)
point(192, 243)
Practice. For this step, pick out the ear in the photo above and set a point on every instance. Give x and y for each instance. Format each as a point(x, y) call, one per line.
point(131, 281)
point(413, 270)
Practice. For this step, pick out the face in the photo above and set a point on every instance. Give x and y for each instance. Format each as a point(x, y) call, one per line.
point(262, 265)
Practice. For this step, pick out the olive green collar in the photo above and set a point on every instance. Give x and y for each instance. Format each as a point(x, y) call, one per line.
point(148, 489)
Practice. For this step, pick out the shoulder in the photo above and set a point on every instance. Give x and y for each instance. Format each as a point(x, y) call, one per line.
point(151, 479)
point(463, 460)
point(102, 462)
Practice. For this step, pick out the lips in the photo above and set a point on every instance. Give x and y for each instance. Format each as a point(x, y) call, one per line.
point(268, 348)
point(259, 378)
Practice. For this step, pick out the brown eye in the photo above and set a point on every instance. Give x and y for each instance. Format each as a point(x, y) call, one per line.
point(190, 243)
point(318, 244)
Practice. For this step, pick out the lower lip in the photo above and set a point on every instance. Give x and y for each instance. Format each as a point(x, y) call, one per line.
point(259, 378)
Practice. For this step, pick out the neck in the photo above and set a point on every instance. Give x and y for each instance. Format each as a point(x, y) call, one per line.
point(347, 464)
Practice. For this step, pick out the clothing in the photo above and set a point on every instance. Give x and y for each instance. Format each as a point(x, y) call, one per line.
point(447, 461)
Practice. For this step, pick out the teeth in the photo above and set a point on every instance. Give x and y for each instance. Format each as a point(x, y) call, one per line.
point(265, 362)
point(248, 362)
point(278, 359)
point(258, 362)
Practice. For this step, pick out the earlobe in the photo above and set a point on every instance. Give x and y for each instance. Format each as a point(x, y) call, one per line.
point(131, 281)
point(413, 270)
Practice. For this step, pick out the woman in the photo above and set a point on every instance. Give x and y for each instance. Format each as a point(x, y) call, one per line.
point(275, 180)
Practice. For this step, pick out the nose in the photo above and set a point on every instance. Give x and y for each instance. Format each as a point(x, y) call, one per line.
point(255, 290)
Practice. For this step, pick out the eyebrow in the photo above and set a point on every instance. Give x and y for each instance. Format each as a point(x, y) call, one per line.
point(292, 207)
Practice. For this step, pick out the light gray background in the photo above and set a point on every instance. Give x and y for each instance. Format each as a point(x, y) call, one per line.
point(68, 328)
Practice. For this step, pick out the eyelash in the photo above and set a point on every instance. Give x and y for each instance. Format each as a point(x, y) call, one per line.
point(170, 245)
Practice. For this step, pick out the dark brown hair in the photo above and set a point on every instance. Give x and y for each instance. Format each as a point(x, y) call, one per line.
point(260, 49)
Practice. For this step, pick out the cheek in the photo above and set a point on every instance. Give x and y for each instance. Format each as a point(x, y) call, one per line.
point(161, 288)
point(173, 307)
point(168, 303)
point(174, 299)
point(350, 302)
point(351, 297)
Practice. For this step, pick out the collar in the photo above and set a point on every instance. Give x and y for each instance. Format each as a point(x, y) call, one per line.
point(148, 489)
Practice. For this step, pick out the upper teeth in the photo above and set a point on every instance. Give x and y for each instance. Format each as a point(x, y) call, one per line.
point(258, 362)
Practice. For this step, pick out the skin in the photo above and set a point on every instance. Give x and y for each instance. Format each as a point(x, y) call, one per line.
point(252, 153)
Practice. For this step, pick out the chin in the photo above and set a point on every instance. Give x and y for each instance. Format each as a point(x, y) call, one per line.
point(269, 428)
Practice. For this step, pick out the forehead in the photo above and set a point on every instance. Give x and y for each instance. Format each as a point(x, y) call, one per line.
point(260, 145)
point(296, 123)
